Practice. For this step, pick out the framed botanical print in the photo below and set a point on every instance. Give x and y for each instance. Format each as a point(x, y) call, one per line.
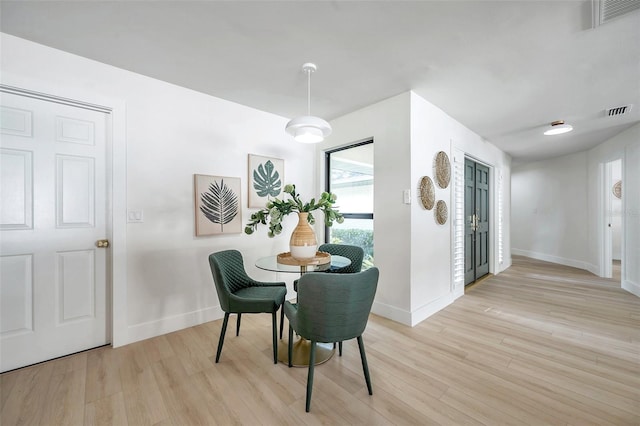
point(266, 179)
point(217, 205)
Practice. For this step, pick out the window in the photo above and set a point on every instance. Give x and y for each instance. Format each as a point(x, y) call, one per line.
point(349, 174)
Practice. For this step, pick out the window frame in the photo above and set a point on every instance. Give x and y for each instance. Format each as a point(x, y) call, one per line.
point(327, 182)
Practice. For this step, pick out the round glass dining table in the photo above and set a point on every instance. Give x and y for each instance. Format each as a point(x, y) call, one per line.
point(270, 263)
point(302, 347)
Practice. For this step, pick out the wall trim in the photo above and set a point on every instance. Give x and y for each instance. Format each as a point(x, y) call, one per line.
point(553, 259)
point(391, 312)
point(594, 269)
point(173, 323)
point(458, 291)
point(631, 287)
point(425, 311)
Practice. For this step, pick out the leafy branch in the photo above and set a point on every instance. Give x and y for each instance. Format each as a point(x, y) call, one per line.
point(276, 209)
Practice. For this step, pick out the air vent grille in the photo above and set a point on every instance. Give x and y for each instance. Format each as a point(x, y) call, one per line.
point(618, 110)
point(606, 10)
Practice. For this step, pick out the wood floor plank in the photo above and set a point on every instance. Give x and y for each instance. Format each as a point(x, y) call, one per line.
point(539, 344)
point(107, 411)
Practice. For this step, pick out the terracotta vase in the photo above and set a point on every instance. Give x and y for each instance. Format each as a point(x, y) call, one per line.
point(303, 243)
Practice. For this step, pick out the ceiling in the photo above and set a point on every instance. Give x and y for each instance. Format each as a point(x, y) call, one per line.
point(505, 69)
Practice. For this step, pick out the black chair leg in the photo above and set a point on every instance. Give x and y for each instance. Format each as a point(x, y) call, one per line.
point(281, 320)
point(365, 366)
point(274, 320)
point(290, 346)
point(222, 333)
point(238, 324)
point(340, 348)
point(312, 362)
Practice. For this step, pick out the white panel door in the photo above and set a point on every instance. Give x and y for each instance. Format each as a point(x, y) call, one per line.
point(53, 293)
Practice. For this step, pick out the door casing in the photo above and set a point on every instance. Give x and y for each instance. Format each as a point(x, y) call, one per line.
point(477, 219)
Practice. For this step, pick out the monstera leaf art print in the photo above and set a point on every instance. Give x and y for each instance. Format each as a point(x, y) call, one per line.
point(265, 179)
point(217, 205)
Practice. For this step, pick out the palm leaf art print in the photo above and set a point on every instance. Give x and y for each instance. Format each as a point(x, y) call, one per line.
point(219, 204)
point(266, 180)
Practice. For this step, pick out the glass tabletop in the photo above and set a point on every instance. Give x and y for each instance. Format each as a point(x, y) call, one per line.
point(270, 263)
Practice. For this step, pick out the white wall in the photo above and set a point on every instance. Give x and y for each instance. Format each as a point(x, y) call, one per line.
point(171, 133)
point(626, 146)
point(572, 186)
point(387, 122)
point(432, 130)
point(411, 250)
point(549, 207)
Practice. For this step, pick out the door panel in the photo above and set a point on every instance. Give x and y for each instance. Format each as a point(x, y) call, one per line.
point(476, 206)
point(482, 213)
point(469, 211)
point(53, 278)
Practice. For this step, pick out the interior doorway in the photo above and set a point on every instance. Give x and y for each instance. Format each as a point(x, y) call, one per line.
point(613, 217)
point(55, 207)
point(476, 208)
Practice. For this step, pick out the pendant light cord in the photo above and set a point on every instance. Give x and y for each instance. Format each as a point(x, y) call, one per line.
point(308, 92)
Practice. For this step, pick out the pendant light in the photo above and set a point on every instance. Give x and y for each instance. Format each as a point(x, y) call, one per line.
point(307, 128)
point(557, 128)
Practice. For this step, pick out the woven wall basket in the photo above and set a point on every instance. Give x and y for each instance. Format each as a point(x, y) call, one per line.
point(617, 189)
point(441, 212)
point(442, 169)
point(427, 192)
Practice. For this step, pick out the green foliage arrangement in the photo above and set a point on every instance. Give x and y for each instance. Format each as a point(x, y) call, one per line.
point(277, 209)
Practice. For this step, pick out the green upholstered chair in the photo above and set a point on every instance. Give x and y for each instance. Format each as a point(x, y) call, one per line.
point(353, 253)
point(332, 308)
point(239, 294)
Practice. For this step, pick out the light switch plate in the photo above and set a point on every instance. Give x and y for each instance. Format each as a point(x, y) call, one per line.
point(135, 216)
point(406, 196)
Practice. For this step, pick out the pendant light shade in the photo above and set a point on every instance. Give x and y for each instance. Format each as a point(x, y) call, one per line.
point(557, 128)
point(307, 128)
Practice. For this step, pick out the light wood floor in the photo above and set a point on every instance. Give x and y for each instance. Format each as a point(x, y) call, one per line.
point(538, 344)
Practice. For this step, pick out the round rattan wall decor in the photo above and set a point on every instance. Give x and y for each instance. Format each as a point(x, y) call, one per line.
point(427, 192)
point(442, 169)
point(617, 189)
point(441, 212)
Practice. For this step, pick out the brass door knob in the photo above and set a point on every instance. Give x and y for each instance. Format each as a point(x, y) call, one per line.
point(102, 243)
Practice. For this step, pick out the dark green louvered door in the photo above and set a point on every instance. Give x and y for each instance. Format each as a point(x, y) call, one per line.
point(476, 213)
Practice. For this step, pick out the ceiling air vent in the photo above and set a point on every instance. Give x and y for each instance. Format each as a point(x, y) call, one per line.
point(611, 112)
point(606, 10)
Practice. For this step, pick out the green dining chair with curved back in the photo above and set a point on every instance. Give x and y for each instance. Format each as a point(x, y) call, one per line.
point(354, 253)
point(332, 308)
point(239, 294)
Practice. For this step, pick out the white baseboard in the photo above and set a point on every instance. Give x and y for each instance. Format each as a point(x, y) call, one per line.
point(458, 291)
point(553, 259)
point(413, 318)
point(631, 287)
point(425, 311)
point(170, 324)
point(594, 269)
point(392, 313)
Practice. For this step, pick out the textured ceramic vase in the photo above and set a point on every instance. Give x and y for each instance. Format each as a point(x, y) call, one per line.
point(303, 243)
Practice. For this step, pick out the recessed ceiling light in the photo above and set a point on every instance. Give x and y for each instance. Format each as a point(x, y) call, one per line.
point(557, 128)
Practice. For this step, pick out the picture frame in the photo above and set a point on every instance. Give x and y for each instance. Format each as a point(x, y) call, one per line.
point(265, 179)
point(217, 205)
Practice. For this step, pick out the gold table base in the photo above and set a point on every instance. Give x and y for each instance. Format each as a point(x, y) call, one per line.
point(300, 352)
